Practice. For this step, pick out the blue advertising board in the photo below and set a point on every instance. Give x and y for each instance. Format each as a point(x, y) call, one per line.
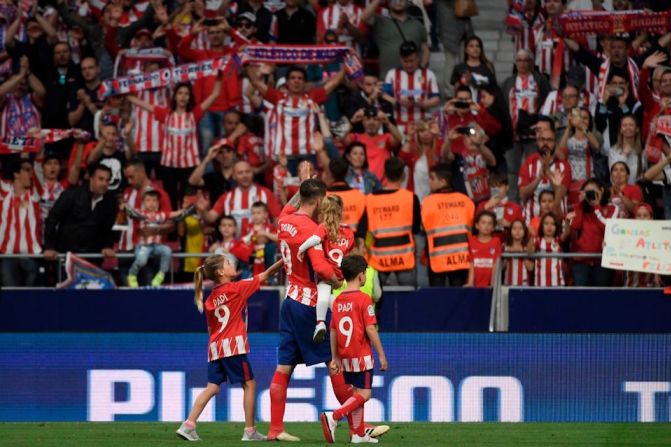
point(431, 377)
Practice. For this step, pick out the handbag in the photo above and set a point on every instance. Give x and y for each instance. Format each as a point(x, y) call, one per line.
point(465, 8)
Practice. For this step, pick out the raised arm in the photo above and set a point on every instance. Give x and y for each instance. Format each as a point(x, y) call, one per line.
point(656, 172)
point(263, 276)
point(256, 81)
point(141, 103)
point(335, 81)
point(368, 16)
point(215, 93)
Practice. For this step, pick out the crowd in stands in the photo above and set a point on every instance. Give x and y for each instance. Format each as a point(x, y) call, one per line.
point(440, 171)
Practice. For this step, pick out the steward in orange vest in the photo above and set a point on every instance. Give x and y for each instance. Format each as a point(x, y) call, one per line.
point(354, 202)
point(392, 217)
point(447, 218)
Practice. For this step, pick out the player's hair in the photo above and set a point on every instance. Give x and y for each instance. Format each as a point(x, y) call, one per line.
point(394, 169)
point(330, 214)
point(151, 193)
point(209, 271)
point(338, 167)
point(352, 266)
point(497, 178)
point(312, 190)
point(260, 204)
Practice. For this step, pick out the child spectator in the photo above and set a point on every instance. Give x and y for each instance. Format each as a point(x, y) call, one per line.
point(228, 347)
point(226, 242)
point(506, 210)
point(261, 235)
point(643, 211)
point(548, 271)
point(485, 250)
point(352, 333)
point(148, 245)
point(548, 204)
point(517, 269)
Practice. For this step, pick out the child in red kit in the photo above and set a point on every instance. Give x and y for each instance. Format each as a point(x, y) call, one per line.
point(352, 333)
point(228, 347)
point(261, 235)
point(485, 249)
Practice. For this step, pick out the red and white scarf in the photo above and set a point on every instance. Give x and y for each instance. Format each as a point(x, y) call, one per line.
point(632, 69)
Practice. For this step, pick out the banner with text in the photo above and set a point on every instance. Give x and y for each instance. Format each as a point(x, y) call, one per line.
point(431, 377)
point(638, 245)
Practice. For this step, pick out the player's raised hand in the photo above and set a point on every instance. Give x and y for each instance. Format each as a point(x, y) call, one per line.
point(383, 363)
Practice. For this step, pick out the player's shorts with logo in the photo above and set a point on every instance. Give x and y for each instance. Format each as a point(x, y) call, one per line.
point(235, 369)
point(297, 325)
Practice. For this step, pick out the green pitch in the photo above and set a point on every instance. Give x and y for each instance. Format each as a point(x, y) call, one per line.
point(411, 434)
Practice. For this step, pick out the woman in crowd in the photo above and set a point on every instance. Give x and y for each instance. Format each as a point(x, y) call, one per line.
point(577, 146)
point(501, 139)
point(421, 152)
point(476, 70)
point(180, 153)
point(623, 195)
point(358, 175)
point(628, 149)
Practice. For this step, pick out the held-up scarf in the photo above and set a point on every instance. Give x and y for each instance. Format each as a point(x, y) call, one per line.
point(304, 54)
point(133, 58)
point(632, 70)
point(38, 137)
point(614, 22)
point(163, 77)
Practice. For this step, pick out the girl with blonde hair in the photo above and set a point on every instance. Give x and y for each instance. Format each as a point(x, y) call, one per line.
point(228, 346)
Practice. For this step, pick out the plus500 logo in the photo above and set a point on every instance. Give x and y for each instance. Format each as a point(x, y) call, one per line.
point(167, 394)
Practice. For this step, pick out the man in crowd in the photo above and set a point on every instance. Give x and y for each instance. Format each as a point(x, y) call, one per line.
point(82, 218)
point(84, 103)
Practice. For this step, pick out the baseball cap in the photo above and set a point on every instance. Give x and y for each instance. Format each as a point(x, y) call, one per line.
point(248, 16)
point(143, 32)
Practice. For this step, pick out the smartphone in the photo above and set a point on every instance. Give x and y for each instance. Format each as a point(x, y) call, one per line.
point(210, 22)
point(617, 91)
point(461, 104)
point(465, 130)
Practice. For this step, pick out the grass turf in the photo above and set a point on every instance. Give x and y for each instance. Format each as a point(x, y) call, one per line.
point(410, 434)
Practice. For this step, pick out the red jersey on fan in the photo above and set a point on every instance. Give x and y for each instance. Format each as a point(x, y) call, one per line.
point(224, 310)
point(294, 228)
point(352, 312)
point(336, 250)
point(483, 256)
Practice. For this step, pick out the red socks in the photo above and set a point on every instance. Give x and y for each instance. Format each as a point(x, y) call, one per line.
point(278, 401)
point(348, 407)
point(358, 426)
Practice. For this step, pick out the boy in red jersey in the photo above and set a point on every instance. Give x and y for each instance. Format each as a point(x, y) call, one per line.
point(228, 347)
point(352, 333)
point(485, 250)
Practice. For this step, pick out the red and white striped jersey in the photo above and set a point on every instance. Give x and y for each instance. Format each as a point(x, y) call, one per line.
point(525, 39)
point(295, 121)
point(20, 221)
point(180, 139)
point(134, 13)
point(419, 86)
point(329, 17)
point(531, 169)
point(516, 272)
point(247, 106)
point(548, 271)
point(523, 96)
point(49, 193)
point(238, 203)
point(352, 312)
point(224, 310)
point(148, 131)
point(547, 42)
point(476, 176)
point(153, 220)
point(133, 198)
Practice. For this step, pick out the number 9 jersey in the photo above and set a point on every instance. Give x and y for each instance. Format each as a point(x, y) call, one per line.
point(224, 310)
point(352, 312)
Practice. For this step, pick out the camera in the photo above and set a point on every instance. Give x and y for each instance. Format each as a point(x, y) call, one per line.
point(466, 130)
point(211, 22)
point(461, 104)
point(617, 91)
point(590, 195)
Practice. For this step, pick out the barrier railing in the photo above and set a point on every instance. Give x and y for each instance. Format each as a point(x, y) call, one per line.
point(498, 317)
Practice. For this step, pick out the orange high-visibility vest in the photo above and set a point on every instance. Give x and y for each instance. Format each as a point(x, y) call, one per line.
point(390, 223)
point(354, 204)
point(447, 219)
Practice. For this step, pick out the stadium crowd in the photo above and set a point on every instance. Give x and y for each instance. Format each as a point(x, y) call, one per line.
point(439, 172)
